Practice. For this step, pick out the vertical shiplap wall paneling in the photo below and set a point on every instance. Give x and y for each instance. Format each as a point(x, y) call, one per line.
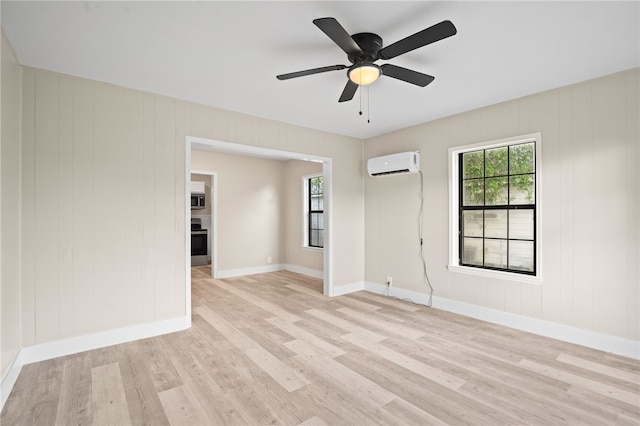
point(220, 125)
point(632, 101)
point(435, 155)
point(65, 205)
point(458, 135)
point(201, 121)
point(582, 199)
point(551, 204)
point(83, 207)
point(147, 196)
point(610, 213)
point(109, 203)
point(566, 160)
point(47, 292)
point(10, 194)
point(164, 216)
point(180, 200)
point(28, 208)
point(135, 211)
point(540, 105)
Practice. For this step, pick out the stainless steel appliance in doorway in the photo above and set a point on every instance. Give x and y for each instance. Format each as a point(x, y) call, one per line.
point(199, 243)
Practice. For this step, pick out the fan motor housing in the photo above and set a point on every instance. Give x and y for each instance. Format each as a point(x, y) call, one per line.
point(370, 44)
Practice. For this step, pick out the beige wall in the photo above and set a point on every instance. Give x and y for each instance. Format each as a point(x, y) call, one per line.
point(96, 256)
point(10, 339)
point(590, 206)
point(250, 197)
point(259, 210)
point(295, 254)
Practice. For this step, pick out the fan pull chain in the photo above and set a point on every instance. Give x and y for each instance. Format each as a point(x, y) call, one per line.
point(368, 107)
point(360, 113)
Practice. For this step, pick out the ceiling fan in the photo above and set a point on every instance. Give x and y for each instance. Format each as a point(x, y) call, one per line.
point(364, 49)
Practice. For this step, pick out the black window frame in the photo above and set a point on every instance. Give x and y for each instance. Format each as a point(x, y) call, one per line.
point(311, 211)
point(509, 207)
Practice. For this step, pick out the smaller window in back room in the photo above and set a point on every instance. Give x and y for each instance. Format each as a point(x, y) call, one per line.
point(315, 211)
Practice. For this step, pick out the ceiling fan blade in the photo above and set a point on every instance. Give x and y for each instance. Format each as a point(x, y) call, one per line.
point(348, 92)
point(310, 72)
point(430, 35)
point(404, 74)
point(332, 28)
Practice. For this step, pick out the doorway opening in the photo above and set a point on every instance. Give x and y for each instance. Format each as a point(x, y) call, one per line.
point(202, 144)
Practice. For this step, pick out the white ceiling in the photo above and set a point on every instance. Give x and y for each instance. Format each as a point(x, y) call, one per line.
point(227, 54)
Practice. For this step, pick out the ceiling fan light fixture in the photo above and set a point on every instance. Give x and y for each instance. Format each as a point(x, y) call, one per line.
point(363, 75)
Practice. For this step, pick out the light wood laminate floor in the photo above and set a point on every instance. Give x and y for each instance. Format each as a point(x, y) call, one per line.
point(271, 349)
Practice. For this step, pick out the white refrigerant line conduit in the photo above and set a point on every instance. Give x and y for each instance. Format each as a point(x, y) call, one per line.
point(420, 252)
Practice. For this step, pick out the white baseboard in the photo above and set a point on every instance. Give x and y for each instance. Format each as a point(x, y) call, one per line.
point(9, 379)
point(304, 271)
point(592, 339)
point(88, 342)
point(230, 273)
point(348, 288)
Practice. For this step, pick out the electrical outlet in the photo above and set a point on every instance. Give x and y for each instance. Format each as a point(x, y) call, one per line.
point(269, 259)
point(389, 282)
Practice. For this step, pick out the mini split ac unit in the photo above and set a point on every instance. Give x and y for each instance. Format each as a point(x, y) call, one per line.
point(403, 162)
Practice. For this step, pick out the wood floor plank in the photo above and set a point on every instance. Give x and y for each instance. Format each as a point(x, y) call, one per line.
point(383, 324)
point(141, 394)
point(74, 404)
point(601, 388)
point(249, 297)
point(182, 407)
point(409, 414)
point(313, 421)
point(631, 377)
point(347, 326)
point(411, 364)
point(302, 334)
point(357, 304)
point(108, 400)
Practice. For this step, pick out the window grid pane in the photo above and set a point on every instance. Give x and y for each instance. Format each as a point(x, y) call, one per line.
point(316, 212)
point(497, 208)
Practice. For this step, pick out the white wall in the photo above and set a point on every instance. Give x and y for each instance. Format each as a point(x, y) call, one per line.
point(96, 159)
point(590, 206)
point(10, 339)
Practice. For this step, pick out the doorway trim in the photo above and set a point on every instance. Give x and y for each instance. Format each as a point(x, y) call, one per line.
point(205, 144)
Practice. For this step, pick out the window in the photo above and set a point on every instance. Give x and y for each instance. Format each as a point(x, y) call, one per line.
point(314, 199)
point(496, 207)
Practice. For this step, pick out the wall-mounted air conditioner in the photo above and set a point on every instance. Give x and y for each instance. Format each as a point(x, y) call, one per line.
point(402, 162)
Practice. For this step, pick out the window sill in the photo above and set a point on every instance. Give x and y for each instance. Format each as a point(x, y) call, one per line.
point(495, 274)
point(320, 249)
